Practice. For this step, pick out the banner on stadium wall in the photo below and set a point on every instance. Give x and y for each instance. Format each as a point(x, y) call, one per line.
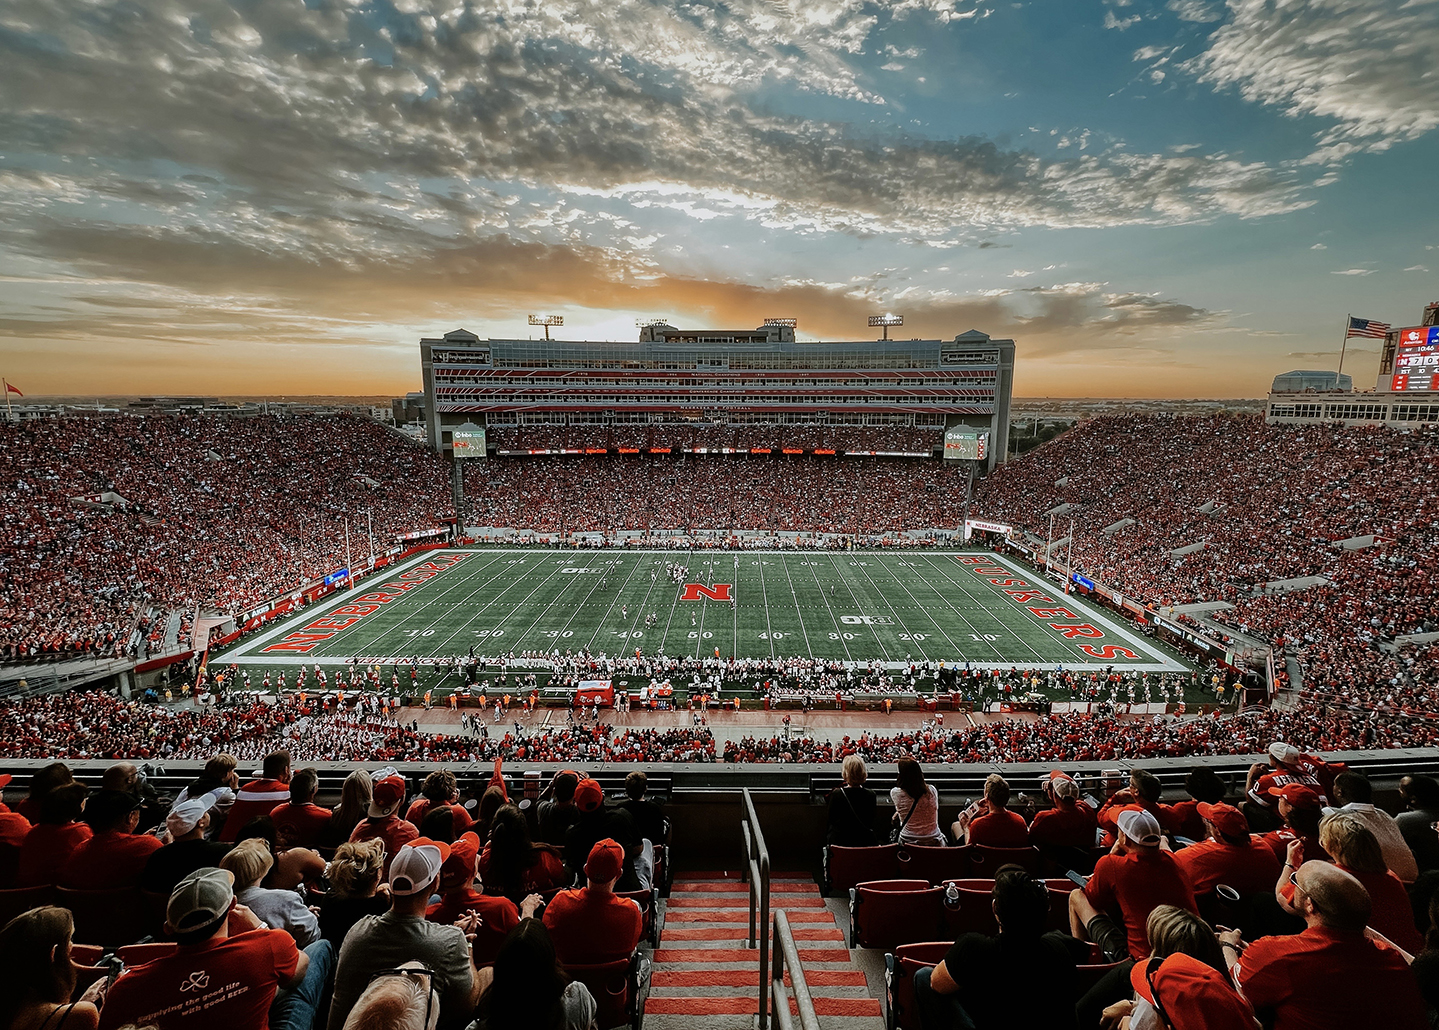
point(970, 525)
point(422, 534)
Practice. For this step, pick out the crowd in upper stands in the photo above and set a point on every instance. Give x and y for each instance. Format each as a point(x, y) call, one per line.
point(219, 513)
point(713, 436)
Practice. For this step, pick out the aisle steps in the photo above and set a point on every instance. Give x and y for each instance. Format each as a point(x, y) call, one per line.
point(704, 978)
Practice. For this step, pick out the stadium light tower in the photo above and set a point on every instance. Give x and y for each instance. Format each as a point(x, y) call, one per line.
point(547, 321)
point(645, 323)
point(783, 323)
point(886, 321)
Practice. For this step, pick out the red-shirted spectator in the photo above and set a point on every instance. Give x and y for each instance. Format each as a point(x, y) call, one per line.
point(498, 916)
point(259, 797)
point(13, 825)
point(1203, 785)
point(1144, 791)
point(54, 838)
point(1301, 809)
point(1188, 994)
point(995, 826)
point(440, 789)
point(1287, 764)
point(1070, 823)
point(300, 823)
point(1129, 882)
point(514, 867)
point(590, 925)
point(1330, 976)
point(115, 855)
point(383, 822)
point(1229, 856)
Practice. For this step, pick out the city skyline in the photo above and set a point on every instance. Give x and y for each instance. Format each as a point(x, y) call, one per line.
point(1167, 199)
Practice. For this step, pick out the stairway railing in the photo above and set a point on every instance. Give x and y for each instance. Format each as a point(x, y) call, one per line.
point(786, 952)
point(756, 874)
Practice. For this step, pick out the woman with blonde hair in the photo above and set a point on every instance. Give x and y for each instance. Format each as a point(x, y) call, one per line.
point(1356, 850)
point(852, 808)
point(355, 888)
point(38, 975)
point(249, 862)
point(354, 805)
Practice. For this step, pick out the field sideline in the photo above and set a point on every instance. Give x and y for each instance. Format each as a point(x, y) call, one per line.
point(853, 606)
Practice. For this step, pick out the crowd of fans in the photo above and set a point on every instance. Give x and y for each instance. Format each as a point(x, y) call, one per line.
point(1269, 503)
point(219, 513)
point(720, 437)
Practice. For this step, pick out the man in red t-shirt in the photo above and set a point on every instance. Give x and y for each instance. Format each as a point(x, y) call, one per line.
point(1131, 880)
point(225, 972)
point(1331, 976)
point(383, 822)
point(115, 855)
point(1229, 856)
point(1301, 810)
point(1144, 791)
point(259, 797)
point(13, 825)
point(1287, 764)
point(591, 925)
point(498, 916)
point(1070, 823)
point(995, 826)
point(300, 823)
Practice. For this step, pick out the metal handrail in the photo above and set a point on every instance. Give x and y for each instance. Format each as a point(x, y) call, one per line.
point(756, 874)
point(785, 951)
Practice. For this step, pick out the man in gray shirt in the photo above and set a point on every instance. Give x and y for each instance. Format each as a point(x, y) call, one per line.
point(388, 941)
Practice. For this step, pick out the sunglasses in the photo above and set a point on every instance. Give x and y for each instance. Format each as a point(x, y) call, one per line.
point(415, 973)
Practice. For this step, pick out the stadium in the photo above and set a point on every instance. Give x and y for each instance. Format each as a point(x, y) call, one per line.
point(760, 573)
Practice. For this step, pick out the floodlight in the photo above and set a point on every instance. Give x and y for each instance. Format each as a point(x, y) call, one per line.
point(886, 321)
point(547, 321)
point(787, 323)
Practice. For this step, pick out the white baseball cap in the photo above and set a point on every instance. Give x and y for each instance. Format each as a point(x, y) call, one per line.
point(185, 816)
point(1282, 752)
point(417, 865)
point(1139, 826)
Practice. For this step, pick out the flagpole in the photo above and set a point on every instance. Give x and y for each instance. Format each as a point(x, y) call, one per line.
point(7, 398)
point(1344, 343)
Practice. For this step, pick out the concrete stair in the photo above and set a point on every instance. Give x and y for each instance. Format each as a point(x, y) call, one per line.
point(704, 978)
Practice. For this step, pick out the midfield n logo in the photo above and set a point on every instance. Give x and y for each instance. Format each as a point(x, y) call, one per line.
point(698, 592)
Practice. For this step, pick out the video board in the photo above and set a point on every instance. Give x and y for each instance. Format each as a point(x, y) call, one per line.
point(468, 441)
point(1416, 359)
point(963, 443)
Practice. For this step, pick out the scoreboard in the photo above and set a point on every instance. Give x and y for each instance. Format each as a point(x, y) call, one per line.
point(468, 441)
point(963, 443)
point(1416, 359)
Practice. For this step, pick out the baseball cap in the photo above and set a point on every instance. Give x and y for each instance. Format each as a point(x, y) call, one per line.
point(185, 816)
point(1282, 752)
point(1139, 826)
point(417, 865)
point(459, 868)
point(1297, 795)
point(386, 796)
point(200, 900)
point(606, 860)
point(1061, 784)
point(589, 796)
point(1227, 819)
point(1192, 995)
point(4, 780)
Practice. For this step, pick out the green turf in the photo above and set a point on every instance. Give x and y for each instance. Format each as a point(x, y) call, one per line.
point(890, 606)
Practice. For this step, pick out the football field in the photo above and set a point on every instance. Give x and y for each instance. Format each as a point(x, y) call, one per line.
point(892, 606)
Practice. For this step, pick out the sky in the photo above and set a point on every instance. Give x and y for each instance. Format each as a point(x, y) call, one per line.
point(275, 197)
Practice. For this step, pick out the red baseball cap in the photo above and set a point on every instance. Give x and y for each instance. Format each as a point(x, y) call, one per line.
point(589, 795)
point(1192, 995)
point(1227, 819)
point(459, 868)
point(386, 795)
point(606, 860)
point(1297, 795)
point(4, 780)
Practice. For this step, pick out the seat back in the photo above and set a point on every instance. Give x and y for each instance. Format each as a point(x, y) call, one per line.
point(906, 960)
point(845, 868)
point(109, 918)
point(23, 899)
point(936, 865)
point(888, 913)
point(985, 861)
point(649, 903)
point(138, 954)
point(615, 988)
point(972, 912)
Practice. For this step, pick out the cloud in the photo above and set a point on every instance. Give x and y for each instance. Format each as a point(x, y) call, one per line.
point(1416, 268)
point(1319, 246)
point(1365, 66)
point(1196, 10)
point(1354, 271)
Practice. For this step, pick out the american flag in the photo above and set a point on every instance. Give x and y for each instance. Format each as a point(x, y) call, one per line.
point(1366, 327)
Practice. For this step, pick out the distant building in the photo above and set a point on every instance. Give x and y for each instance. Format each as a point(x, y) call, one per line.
point(1307, 381)
point(409, 408)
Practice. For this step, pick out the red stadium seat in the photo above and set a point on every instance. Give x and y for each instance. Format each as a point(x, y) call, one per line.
point(23, 899)
point(936, 865)
point(887, 913)
point(139, 954)
point(901, 965)
point(986, 861)
point(846, 867)
point(973, 912)
point(110, 918)
point(616, 990)
point(648, 901)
